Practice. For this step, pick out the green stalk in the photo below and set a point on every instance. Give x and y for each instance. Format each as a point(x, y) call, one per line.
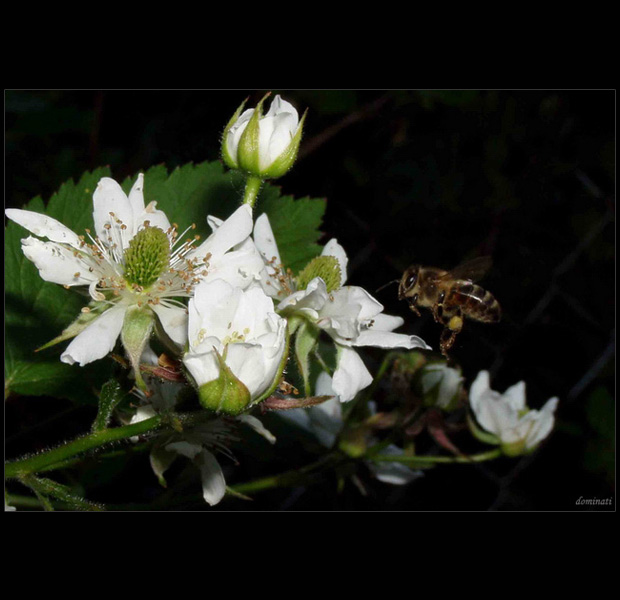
point(288, 478)
point(430, 460)
point(39, 462)
point(252, 187)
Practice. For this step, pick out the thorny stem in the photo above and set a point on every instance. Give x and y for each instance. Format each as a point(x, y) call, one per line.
point(252, 187)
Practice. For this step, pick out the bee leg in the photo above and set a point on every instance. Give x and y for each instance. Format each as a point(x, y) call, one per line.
point(437, 309)
point(448, 336)
point(446, 341)
point(413, 306)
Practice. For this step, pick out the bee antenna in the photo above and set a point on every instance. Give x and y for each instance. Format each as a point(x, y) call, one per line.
point(384, 286)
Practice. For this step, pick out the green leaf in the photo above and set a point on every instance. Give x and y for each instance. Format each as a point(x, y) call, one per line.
point(36, 311)
point(192, 192)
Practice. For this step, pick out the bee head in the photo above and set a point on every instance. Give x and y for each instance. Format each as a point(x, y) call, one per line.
point(408, 282)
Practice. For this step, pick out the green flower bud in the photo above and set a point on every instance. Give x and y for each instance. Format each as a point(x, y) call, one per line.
point(263, 146)
point(226, 394)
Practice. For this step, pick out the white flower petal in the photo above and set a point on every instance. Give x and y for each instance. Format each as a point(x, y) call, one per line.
point(240, 268)
point(382, 322)
point(231, 232)
point(257, 426)
point(160, 460)
point(185, 448)
point(203, 367)
point(235, 132)
point(351, 374)
point(97, 339)
point(544, 423)
point(58, 264)
point(313, 298)
point(515, 396)
point(213, 482)
point(174, 321)
point(284, 126)
point(265, 240)
point(333, 248)
point(43, 226)
point(393, 473)
point(387, 339)
point(136, 197)
point(110, 198)
point(154, 216)
point(478, 389)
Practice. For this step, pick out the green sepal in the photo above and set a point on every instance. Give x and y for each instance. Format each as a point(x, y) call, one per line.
point(137, 328)
point(109, 398)
point(306, 340)
point(286, 160)
point(44, 487)
point(484, 436)
point(84, 320)
point(160, 460)
point(515, 448)
point(229, 160)
point(353, 441)
point(226, 394)
point(248, 154)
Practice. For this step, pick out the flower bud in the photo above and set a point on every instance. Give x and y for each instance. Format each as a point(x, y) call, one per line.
point(440, 385)
point(225, 394)
point(263, 146)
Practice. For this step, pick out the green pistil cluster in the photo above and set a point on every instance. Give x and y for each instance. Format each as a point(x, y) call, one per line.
point(147, 257)
point(325, 267)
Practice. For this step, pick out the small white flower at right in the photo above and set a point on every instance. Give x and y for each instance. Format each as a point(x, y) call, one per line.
point(517, 428)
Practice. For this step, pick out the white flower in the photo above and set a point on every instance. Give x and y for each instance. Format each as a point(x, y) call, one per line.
point(325, 422)
point(200, 443)
point(134, 260)
point(277, 133)
point(517, 428)
point(441, 384)
point(240, 327)
point(349, 314)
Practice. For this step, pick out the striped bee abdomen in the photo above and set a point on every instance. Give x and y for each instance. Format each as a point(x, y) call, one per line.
point(474, 302)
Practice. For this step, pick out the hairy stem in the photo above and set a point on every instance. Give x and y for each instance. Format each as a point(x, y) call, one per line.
point(252, 187)
point(60, 456)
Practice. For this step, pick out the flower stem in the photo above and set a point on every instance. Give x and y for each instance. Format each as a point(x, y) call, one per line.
point(252, 187)
point(59, 457)
point(288, 478)
point(421, 461)
point(39, 462)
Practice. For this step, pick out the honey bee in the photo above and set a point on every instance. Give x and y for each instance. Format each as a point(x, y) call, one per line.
point(451, 296)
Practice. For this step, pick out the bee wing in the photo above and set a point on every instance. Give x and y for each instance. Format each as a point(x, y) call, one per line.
point(473, 269)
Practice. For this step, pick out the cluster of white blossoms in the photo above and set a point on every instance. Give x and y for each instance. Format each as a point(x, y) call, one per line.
point(228, 309)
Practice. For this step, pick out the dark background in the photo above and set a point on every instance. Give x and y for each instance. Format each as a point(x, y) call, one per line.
point(433, 177)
